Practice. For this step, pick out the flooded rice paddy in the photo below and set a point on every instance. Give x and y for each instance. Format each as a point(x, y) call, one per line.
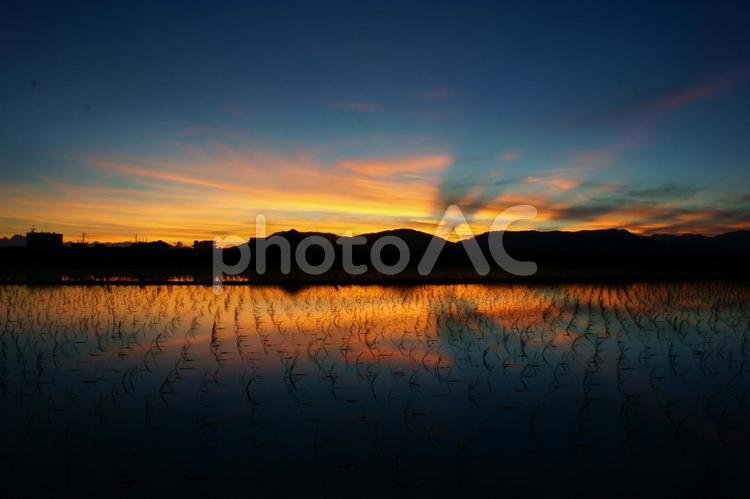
point(497, 390)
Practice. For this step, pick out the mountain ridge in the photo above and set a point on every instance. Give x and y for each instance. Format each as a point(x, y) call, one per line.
point(600, 238)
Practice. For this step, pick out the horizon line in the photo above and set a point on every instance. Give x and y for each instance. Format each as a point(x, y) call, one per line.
point(175, 242)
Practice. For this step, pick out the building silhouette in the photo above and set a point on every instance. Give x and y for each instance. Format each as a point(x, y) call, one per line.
point(43, 241)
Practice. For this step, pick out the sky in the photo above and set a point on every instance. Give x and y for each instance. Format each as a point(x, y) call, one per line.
point(185, 120)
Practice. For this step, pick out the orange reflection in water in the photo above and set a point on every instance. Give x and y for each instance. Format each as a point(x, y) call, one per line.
point(428, 325)
point(278, 374)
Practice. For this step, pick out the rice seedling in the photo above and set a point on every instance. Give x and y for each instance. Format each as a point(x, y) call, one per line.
point(428, 385)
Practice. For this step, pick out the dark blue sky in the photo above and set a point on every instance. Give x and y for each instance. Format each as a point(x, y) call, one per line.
point(600, 114)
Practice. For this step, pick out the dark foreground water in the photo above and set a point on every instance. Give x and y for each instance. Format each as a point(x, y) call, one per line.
point(559, 391)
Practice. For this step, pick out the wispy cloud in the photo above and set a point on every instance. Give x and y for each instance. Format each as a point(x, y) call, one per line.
point(358, 106)
point(397, 165)
point(216, 188)
point(677, 98)
point(557, 182)
point(671, 207)
point(695, 93)
point(435, 94)
point(509, 156)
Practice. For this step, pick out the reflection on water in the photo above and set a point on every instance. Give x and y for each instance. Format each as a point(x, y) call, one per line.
point(564, 390)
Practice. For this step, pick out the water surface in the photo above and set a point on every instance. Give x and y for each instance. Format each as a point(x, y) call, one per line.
point(566, 390)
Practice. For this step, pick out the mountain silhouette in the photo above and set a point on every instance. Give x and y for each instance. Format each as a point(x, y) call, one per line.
point(588, 254)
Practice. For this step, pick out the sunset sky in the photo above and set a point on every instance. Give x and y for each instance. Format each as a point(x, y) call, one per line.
point(182, 120)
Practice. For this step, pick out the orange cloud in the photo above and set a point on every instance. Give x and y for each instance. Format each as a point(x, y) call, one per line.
point(509, 156)
point(559, 183)
point(390, 166)
point(217, 189)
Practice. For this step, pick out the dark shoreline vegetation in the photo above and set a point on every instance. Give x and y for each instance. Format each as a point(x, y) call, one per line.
point(586, 256)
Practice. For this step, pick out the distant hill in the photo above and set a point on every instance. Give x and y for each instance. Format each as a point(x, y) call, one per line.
point(618, 240)
point(734, 240)
point(598, 254)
